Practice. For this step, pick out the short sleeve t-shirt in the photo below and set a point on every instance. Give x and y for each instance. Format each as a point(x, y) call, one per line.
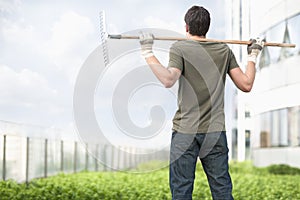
point(204, 66)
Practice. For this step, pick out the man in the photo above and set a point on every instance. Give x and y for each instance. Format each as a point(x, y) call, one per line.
point(199, 123)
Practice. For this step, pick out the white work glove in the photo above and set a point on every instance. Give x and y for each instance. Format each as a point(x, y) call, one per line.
point(254, 49)
point(146, 41)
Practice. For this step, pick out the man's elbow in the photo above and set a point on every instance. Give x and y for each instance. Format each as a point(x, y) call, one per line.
point(246, 88)
point(168, 83)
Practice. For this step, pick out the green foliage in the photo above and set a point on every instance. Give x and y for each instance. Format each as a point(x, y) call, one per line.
point(249, 183)
point(283, 170)
point(153, 165)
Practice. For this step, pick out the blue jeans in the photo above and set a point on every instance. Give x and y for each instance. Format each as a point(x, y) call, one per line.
point(212, 150)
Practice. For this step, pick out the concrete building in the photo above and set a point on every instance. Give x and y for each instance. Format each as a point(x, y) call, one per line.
point(268, 119)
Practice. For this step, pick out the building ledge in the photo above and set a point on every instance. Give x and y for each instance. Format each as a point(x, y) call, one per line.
point(263, 157)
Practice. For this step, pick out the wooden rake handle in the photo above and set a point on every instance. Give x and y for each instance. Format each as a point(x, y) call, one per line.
point(272, 44)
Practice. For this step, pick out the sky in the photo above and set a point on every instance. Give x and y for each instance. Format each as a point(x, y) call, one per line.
point(44, 45)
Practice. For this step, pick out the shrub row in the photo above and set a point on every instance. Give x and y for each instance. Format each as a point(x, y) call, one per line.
point(249, 183)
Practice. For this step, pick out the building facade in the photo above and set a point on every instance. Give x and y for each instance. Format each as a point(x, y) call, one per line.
point(267, 129)
point(275, 100)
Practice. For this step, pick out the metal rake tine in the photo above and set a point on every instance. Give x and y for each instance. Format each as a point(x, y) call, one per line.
point(104, 36)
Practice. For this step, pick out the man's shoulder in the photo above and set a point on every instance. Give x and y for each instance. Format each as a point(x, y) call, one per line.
point(220, 45)
point(204, 44)
point(190, 45)
point(179, 43)
point(217, 47)
point(183, 44)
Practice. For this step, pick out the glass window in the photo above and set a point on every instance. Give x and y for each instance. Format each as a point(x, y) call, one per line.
point(285, 52)
point(247, 114)
point(283, 127)
point(274, 128)
point(265, 58)
point(1, 155)
point(286, 31)
point(265, 125)
point(298, 126)
point(294, 126)
point(247, 144)
point(275, 34)
point(294, 29)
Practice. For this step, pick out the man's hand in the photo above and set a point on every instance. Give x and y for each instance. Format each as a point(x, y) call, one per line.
point(254, 49)
point(146, 41)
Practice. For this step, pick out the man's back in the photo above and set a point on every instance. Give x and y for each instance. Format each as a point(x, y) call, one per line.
point(204, 66)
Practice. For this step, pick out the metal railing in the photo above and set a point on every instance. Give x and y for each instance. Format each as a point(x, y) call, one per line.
point(23, 158)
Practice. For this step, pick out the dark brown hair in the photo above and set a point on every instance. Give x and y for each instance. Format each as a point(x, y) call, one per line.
point(197, 19)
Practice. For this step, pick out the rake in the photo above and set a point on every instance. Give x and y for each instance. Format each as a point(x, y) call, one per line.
point(105, 36)
point(241, 42)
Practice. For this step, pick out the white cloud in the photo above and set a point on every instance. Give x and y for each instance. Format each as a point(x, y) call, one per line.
point(17, 33)
point(24, 87)
point(71, 30)
point(68, 43)
point(28, 92)
point(14, 29)
point(27, 97)
point(155, 22)
point(8, 6)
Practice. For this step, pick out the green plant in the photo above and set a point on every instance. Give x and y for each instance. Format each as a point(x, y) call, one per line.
point(248, 183)
point(283, 169)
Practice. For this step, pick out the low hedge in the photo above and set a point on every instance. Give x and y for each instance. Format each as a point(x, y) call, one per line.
point(248, 182)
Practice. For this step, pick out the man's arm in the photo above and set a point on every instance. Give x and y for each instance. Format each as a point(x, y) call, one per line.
point(244, 80)
point(167, 76)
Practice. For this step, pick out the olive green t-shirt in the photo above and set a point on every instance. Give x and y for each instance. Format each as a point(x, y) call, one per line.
point(204, 66)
